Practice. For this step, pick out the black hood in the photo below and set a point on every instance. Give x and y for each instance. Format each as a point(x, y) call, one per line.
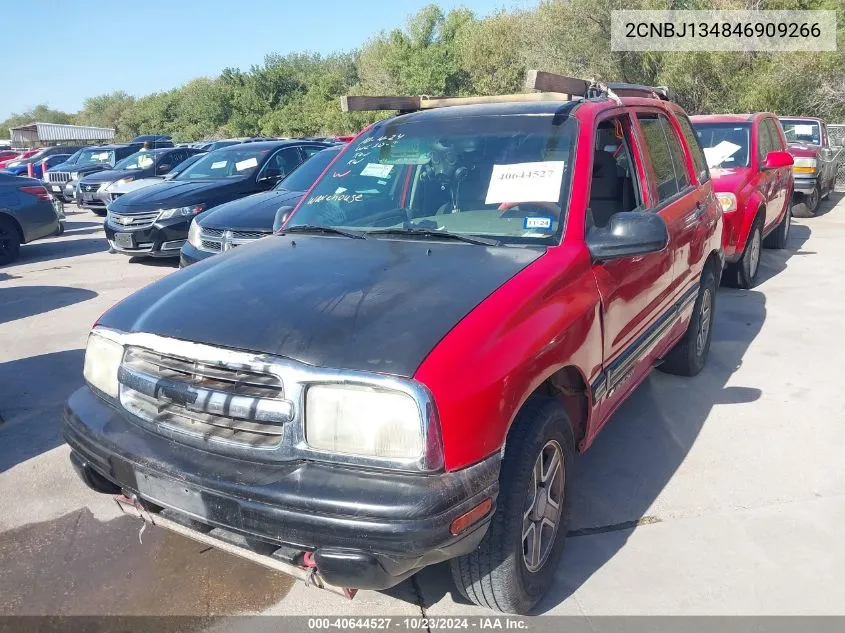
point(84, 170)
point(374, 305)
point(181, 193)
point(110, 175)
point(253, 213)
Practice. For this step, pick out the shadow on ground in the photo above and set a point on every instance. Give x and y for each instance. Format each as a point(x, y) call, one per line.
point(20, 302)
point(100, 568)
point(32, 395)
point(635, 456)
point(60, 248)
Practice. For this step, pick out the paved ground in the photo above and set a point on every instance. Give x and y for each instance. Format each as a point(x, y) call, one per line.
point(736, 478)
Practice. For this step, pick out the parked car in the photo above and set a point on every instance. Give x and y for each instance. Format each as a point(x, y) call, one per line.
point(815, 161)
point(752, 178)
point(142, 164)
point(37, 167)
point(404, 375)
point(8, 155)
point(21, 156)
point(153, 141)
point(26, 214)
point(247, 219)
point(116, 189)
point(154, 221)
point(92, 159)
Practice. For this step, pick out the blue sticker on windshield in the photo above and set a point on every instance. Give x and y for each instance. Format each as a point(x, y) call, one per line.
point(541, 223)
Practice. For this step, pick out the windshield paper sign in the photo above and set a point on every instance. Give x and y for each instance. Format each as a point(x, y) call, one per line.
point(526, 182)
point(720, 153)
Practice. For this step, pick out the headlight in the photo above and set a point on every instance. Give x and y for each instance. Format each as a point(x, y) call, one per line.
point(102, 360)
point(364, 421)
point(181, 211)
point(804, 165)
point(194, 234)
point(74, 175)
point(728, 202)
point(123, 181)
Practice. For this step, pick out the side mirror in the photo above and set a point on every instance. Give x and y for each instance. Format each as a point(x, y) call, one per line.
point(165, 168)
point(776, 160)
point(282, 215)
point(628, 234)
point(269, 181)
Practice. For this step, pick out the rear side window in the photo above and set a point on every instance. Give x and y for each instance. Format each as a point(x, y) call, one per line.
point(699, 160)
point(667, 155)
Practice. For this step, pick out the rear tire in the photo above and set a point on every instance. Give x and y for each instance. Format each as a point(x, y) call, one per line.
point(10, 241)
point(743, 273)
point(689, 355)
point(780, 236)
point(514, 565)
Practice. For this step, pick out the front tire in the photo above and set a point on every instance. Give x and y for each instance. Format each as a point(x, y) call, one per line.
point(515, 563)
point(689, 355)
point(812, 201)
point(743, 273)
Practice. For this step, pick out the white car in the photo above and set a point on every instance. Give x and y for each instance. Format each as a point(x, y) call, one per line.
point(117, 189)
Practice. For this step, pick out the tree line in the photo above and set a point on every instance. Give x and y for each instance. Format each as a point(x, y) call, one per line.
point(460, 53)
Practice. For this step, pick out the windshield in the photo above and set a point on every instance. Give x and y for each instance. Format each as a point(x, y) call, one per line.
point(724, 144)
point(802, 131)
point(74, 157)
point(304, 176)
point(235, 162)
point(95, 156)
point(506, 177)
point(138, 160)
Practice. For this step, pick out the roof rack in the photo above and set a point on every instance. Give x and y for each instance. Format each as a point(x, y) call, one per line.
point(548, 87)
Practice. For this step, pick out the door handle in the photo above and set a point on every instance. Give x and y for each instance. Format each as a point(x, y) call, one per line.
point(699, 210)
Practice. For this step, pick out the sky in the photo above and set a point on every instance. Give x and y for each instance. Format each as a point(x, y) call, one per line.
point(73, 49)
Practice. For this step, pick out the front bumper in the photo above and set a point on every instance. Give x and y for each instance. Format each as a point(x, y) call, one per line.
point(364, 529)
point(191, 255)
point(164, 238)
point(805, 184)
point(90, 199)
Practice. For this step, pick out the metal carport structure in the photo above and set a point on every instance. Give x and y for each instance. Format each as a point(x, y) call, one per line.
point(51, 133)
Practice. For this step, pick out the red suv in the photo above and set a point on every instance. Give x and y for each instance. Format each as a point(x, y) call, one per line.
point(752, 177)
point(404, 373)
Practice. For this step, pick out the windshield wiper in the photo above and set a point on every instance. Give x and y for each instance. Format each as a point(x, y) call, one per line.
point(313, 228)
point(438, 233)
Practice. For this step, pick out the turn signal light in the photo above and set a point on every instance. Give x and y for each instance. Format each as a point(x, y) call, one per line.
point(471, 517)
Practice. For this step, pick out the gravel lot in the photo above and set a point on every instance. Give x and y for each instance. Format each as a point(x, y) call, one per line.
point(724, 494)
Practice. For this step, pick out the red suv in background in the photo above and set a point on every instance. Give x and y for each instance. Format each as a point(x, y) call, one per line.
point(752, 177)
point(473, 288)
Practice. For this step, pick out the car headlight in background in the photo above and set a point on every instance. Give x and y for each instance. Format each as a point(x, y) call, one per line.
point(804, 165)
point(74, 175)
point(123, 181)
point(727, 202)
point(365, 421)
point(194, 234)
point(181, 211)
point(102, 361)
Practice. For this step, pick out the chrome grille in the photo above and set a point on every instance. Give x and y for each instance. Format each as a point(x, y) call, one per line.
point(58, 177)
point(210, 401)
point(217, 240)
point(132, 222)
point(89, 187)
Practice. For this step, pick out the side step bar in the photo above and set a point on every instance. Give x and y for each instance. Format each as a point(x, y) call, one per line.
point(309, 574)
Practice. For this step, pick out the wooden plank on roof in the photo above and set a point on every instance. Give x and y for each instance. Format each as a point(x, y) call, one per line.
point(442, 102)
point(361, 103)
point(550, 82)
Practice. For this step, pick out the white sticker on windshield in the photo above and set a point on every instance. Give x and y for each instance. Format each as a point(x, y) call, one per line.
point(220, 164)
point(720, 153)
point(377, 170)
point(246, 164)
point(526, 182)
point(803, 130)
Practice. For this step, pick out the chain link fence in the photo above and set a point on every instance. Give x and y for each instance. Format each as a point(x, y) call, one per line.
point(836, 133)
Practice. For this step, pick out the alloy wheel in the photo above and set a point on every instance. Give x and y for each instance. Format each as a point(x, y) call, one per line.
point(705, 319)
point(754, 255)
point(544, 506)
